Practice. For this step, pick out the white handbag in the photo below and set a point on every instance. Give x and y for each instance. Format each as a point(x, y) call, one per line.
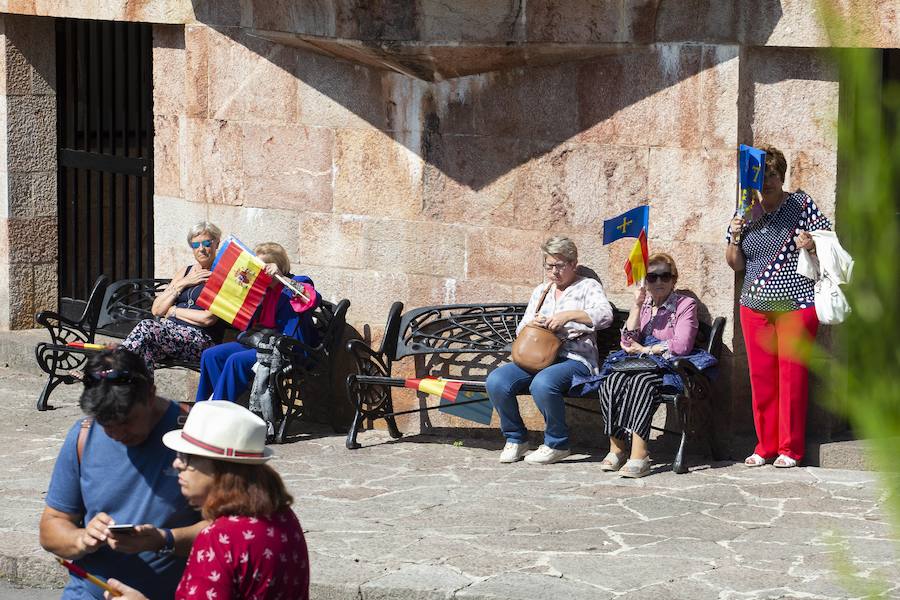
point(831, 267)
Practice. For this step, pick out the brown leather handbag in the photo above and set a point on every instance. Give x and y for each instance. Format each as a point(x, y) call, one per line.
point(536, 347)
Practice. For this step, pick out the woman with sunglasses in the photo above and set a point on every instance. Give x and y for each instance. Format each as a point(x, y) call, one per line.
point(660, 322)
point(574, 308)
point(182, 331)
point(778, 313)
point(254, 546)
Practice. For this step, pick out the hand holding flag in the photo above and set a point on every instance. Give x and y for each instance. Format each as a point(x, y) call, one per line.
point(751, 174)
point(237, 284)
point(634, 223)
point(81, 573)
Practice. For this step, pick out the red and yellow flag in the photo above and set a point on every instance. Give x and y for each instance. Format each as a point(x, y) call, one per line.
point(448, 390)
point(236, 286)
point(636, 265)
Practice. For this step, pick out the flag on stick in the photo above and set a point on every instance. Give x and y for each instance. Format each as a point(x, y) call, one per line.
point(636, 265)
point(237, 284)
point(449, 392)
point(628, 224)
point(751, 173)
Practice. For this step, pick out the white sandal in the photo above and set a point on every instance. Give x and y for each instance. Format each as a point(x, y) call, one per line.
point(754, 460)
point(785, 462)
point(612, 462)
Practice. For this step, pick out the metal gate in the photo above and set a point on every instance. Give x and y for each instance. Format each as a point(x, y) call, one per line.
point(105, 153)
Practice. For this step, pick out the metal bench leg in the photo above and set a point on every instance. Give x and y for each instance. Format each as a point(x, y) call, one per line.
point(43, 401)
point(678, 465)
point(351, 442)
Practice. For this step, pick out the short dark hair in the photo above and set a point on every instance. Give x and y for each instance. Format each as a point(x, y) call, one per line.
point(249, 490)
point(115, 381)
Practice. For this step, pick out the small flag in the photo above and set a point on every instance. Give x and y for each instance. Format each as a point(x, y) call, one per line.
point(237, 284)
point(751, 173)
point(449, 392)
point(85, 346)
point(82, 574)
point(636, 265)
point(628, 224)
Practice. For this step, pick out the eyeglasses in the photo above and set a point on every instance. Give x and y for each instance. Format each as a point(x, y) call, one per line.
point(654, 277)
point(184, 458)
point(111, 376)
point(204, 243)
point(561, 266)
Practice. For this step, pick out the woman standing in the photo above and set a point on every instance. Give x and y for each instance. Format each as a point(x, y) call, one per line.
point(778, 315)
point(182, 331)
point(574, 308)
point(254, 546)
point(661, 322)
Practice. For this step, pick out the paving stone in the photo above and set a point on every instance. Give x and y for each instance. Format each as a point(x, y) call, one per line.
point(415, 581)
point(617, 575)
point(523, 586)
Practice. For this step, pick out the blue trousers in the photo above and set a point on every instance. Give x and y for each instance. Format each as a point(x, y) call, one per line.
point(225, 371)
point(547, 388)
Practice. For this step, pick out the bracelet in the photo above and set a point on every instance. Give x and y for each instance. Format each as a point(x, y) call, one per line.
point(735, 241)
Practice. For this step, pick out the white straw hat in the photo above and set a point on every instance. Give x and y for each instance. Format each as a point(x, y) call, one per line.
point(221, 430)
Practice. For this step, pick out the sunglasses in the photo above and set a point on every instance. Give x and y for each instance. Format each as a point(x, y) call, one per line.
point(204, 243)
point(654, 277)
point(184, 458)
point(111, 376)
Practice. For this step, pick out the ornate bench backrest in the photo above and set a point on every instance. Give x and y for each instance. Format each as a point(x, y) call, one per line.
point(459, 329)
point(126, 303)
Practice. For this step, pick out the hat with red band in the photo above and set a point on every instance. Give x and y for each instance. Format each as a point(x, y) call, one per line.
point(222, 431)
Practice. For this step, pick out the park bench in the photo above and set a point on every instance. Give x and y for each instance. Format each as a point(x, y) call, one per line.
point(466, 341)
point(114, 309)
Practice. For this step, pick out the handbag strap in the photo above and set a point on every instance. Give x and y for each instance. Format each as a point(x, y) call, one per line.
point(540, 303)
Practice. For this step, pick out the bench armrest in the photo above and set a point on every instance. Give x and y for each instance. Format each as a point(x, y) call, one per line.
point(59, 326)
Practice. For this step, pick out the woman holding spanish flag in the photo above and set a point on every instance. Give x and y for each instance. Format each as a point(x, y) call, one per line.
point(227, 369)
point(778, 314)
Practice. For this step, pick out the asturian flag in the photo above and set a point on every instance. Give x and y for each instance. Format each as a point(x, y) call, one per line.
point(237, 284)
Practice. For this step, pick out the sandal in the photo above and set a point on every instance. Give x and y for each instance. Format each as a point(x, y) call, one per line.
point(754, 460)
point(612, 462)
point(635, 467)
point(785, 462)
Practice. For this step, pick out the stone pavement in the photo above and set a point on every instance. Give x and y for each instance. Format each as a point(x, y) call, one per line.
point(427, 518)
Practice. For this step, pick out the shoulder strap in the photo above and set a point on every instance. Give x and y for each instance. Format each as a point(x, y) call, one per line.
point(540, 303)
point(82, 437)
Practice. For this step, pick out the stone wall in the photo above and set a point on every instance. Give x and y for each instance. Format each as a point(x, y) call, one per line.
point(28, 243)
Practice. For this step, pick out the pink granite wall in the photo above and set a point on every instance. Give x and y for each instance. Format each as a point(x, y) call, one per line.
point(28, 245)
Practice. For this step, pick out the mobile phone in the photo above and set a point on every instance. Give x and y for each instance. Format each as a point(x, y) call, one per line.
point(123, 529)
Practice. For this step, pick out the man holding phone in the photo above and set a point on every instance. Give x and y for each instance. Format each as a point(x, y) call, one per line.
point(114, 505)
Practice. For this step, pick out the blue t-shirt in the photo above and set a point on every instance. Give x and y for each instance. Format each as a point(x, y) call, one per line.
point(133, 485)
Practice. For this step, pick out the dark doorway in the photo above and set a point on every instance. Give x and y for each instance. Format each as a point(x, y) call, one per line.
point(105, 148)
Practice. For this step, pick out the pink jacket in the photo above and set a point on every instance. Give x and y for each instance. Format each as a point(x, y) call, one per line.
point(675, 324)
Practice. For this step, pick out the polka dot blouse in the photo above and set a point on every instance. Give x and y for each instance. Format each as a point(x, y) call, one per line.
point(771, 281)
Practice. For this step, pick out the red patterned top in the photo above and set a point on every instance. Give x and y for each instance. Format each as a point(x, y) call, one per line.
point(248, 558)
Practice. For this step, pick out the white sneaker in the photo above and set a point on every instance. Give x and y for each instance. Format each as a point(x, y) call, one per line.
point(513, 452)
point(546, 455)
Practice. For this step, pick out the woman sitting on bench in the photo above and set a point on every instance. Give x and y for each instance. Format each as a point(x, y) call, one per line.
point(227, 369)
point(182, 331)
point(573, 307)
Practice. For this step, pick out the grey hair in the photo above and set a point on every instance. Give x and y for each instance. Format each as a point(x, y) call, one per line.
point(204, 227)
point(560, 245)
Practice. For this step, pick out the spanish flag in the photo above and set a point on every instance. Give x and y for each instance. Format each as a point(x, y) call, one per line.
point(448, 390)
point(237, 284)
point(636, 265)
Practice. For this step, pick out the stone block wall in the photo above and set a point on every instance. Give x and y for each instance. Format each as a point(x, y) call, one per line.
point(28, 242)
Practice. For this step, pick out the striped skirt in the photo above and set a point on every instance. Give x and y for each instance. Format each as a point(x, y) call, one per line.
point(627, 403)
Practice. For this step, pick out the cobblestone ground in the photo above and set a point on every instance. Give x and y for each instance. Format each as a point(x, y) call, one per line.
point(424, 518)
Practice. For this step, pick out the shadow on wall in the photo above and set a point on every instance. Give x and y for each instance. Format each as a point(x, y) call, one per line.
point(477, 128)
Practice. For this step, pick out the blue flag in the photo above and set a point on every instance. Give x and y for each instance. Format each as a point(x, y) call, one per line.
point(480, 412)
point(627, 224)
point(751, 167)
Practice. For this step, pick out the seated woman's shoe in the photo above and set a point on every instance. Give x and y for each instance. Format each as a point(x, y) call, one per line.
point(612, 462)
point(754, 460)
point(636, 467)
point(785, 462)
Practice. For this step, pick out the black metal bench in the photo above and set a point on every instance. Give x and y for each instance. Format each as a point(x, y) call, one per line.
point(440, 337)
point(114, 309)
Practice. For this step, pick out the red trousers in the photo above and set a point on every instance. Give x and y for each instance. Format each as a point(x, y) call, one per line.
point(777, 352)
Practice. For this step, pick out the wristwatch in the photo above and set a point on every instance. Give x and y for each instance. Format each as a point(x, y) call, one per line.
point(169, 545)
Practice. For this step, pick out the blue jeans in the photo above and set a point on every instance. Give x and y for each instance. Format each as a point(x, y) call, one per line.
point(547, 388)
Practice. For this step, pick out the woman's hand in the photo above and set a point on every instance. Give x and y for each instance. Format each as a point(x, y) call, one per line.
point(129, 593)
point(640, 296)
point(805, 241)
point(144, 538)
point(737, 228)
point(633, 347)
point(195, 277)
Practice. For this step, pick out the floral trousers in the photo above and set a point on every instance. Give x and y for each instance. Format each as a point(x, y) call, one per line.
point(155, 341)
